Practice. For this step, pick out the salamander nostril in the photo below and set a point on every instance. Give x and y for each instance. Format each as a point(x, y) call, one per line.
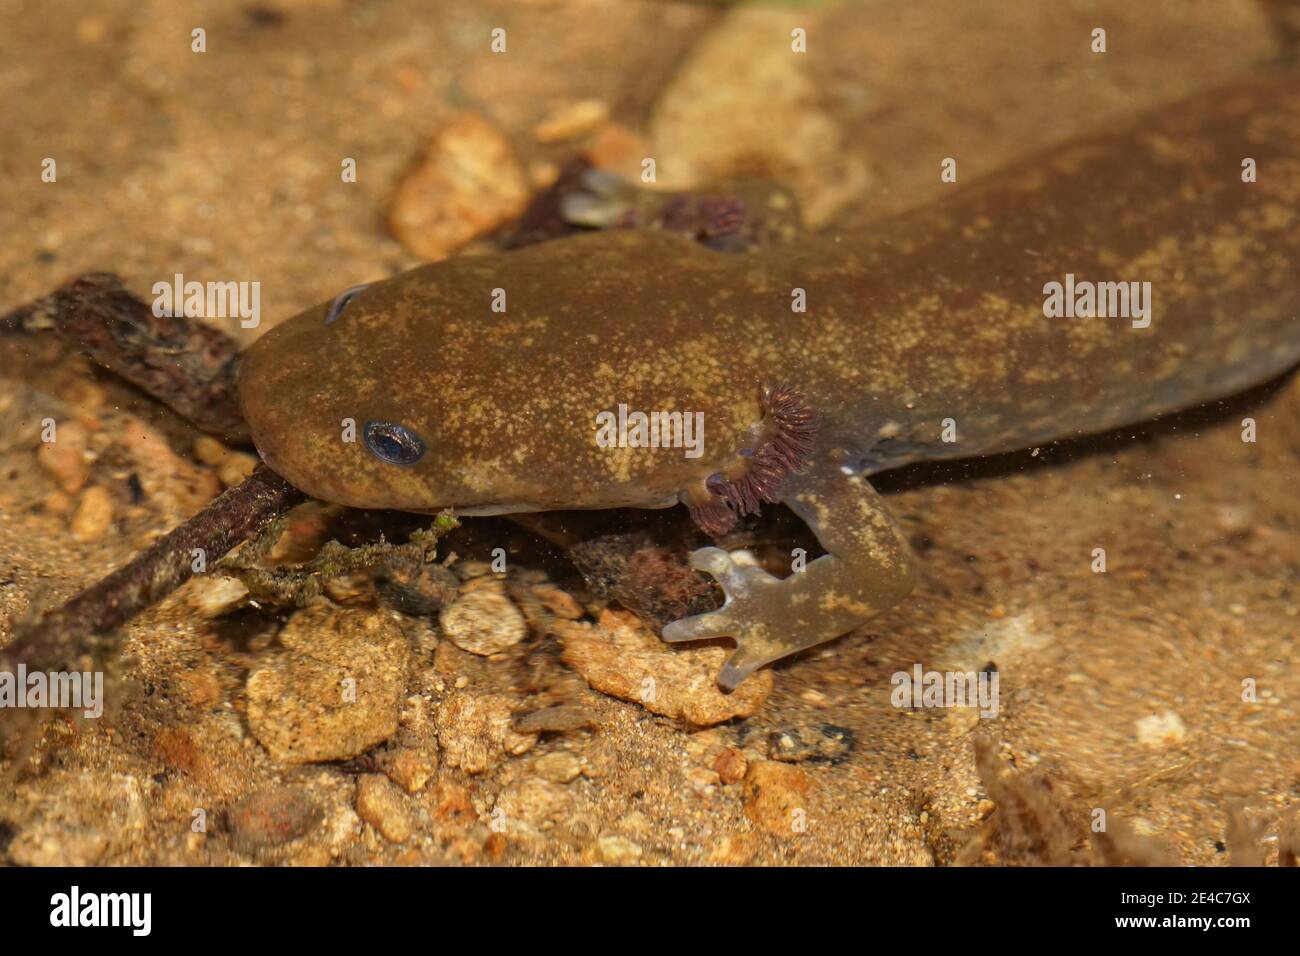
point(393, 443)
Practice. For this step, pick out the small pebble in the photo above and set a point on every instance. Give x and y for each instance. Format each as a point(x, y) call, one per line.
point(336, 689)
point(702, 779)
point(1161, 730)
point(237, 466)
point(94, 515)
point(542, 175)
point(495, 847)
point(212, 595)
point(57, 503)
point(534, 801)
point(381, 805)
point(210, 451)
point(826, 742)
point(169, 482)
point(558, 767)
point(730, 765)
point(618, 851)
point(777, 797)
point(467, 183)
point(66, 816)
point(571, 122)
point(270, 817)
point(66, 458)
point(483, 622)
point(617, 149)
point(469, 570)
point(622, 658)
point(560, 603)
point(734, 849)
point(557, 719)
point(411, 769)
point(476, 731)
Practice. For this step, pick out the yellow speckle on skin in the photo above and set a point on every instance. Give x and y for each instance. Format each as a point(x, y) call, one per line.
point(1274, 216)
point(1228, 252)
point(1163, 148)
point(1074, 159)
point(834, 601)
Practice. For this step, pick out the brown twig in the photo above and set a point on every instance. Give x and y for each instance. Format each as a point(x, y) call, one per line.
point(187, 365)
point(60, 635)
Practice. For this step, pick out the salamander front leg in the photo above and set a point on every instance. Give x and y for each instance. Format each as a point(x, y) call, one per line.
point(867, 569)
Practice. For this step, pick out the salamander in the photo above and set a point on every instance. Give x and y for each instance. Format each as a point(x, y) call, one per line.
point(959, 329)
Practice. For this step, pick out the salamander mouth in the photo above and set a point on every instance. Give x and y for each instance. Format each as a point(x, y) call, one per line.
point(517, 508)
point(485, 511)
point(787, 435)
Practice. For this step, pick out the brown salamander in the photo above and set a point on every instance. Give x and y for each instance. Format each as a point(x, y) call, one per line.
point(1107, 281)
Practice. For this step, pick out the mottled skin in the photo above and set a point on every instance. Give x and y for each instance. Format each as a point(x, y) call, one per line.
point(934, 315)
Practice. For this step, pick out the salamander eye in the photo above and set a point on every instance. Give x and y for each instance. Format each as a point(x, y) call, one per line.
point(339, 304)
point(393, 443)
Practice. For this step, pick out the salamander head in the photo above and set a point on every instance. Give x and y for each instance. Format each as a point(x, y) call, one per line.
point(394, 397)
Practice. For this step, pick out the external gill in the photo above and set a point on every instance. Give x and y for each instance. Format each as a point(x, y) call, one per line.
point(784, 441)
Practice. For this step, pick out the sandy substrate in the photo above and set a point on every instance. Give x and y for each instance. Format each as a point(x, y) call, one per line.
point(1120, 691)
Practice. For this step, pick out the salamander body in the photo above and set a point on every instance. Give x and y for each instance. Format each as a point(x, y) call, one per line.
point(968, 327)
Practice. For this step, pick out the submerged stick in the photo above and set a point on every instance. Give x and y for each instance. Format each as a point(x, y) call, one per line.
point(170, 561)
point(186, 364)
